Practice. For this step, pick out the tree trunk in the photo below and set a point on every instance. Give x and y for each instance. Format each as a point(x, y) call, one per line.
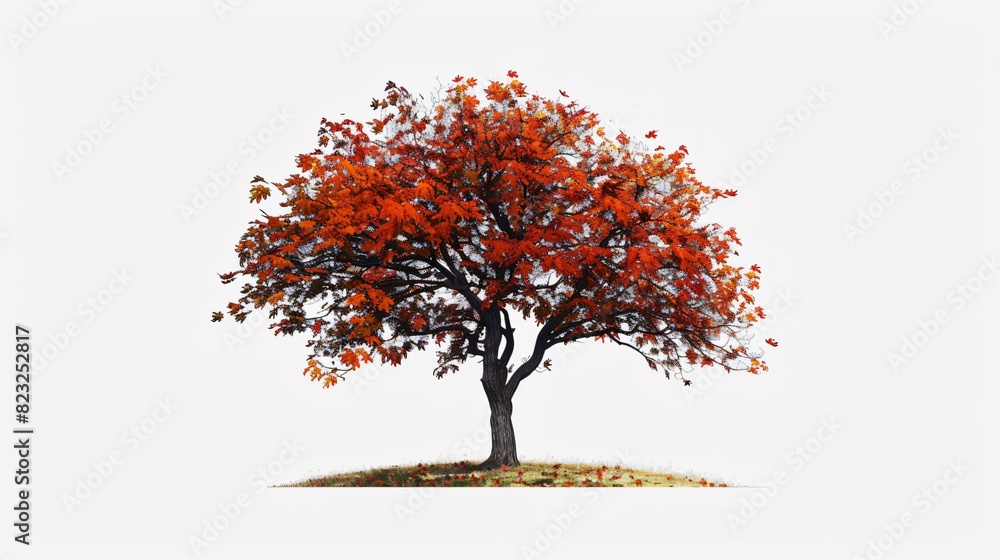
point(504, 450)
point(494, 382)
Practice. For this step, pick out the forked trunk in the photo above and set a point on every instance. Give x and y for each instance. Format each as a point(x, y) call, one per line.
point(504, 451)
point(494, 380)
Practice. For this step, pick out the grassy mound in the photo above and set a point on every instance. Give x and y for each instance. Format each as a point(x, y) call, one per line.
point(527, 474)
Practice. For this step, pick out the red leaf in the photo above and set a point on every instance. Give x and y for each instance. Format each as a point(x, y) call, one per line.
point(772, 342)
point(651, 134)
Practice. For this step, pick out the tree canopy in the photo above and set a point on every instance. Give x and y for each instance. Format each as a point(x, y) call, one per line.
point(436, 220)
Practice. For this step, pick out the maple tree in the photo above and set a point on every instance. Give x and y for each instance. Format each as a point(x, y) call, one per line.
point(438, 219)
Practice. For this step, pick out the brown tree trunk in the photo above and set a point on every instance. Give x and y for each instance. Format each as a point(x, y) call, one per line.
point(494, 380)
point(504, 451)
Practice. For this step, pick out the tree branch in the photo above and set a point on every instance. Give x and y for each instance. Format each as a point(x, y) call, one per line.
point(537, 353)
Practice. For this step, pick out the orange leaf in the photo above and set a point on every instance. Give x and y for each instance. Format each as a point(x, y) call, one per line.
point(259, 193)
point(350, 359)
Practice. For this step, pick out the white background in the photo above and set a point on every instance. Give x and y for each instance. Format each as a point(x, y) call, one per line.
point(840, 304)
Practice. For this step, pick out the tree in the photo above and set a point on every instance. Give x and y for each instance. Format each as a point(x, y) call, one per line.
point(436, 220)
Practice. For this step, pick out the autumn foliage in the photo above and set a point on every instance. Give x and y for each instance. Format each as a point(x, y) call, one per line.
point(434, 221)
